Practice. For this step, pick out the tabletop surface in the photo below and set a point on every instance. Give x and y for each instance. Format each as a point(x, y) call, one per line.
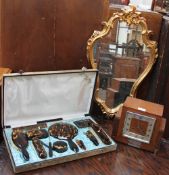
point(125, 160)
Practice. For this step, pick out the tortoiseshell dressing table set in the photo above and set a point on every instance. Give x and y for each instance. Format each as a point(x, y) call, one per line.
point(46, 118)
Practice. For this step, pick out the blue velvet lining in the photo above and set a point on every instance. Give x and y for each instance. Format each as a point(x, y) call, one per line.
point(17, 155)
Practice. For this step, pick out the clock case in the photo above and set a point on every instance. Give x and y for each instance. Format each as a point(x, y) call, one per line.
point(33, 99)
point(145, 112)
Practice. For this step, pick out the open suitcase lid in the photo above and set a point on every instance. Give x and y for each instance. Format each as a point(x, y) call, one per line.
point(32, 97)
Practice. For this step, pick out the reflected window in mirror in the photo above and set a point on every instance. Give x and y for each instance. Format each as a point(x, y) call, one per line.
point(162, 6)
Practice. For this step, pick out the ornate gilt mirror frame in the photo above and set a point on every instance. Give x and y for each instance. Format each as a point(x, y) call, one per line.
point(130, 17)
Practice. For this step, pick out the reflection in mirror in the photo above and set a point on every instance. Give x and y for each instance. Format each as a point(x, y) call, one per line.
point(121, 56)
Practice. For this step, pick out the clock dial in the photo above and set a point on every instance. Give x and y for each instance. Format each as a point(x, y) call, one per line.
point(138, 127)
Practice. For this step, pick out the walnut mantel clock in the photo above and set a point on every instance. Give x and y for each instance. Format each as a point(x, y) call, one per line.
point(140, 124)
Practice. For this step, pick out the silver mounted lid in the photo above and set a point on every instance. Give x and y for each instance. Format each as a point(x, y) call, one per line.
point(33, 97)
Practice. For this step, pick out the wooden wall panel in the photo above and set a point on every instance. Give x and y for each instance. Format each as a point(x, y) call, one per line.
point(27, 34)
point(48, 34)
point(161, 92)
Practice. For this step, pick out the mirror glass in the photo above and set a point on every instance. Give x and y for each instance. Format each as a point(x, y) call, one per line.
point(121, 57)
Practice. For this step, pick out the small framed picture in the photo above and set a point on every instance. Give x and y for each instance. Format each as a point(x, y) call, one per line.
point(120, 2)
point(161, 6)
point(143, 4)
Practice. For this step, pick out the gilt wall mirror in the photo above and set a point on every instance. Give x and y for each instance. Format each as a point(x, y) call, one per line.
point(124, 55)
